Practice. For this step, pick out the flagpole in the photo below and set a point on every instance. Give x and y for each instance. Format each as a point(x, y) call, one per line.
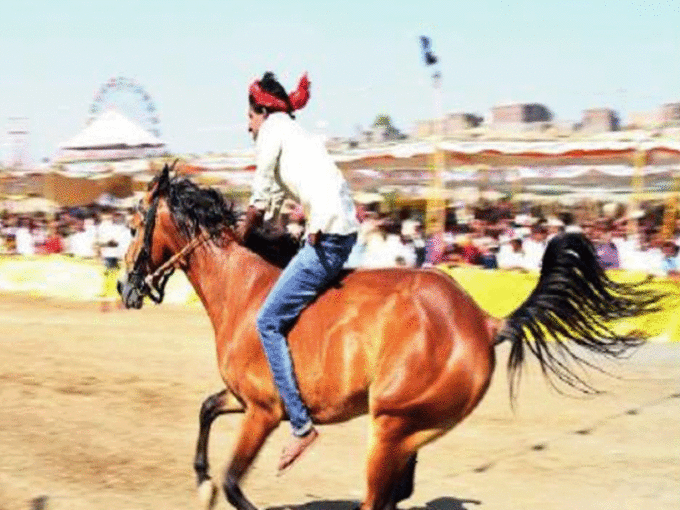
point(435, 212)
point(436, 204)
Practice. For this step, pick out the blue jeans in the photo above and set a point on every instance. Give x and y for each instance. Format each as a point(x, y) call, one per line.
point(311, 271)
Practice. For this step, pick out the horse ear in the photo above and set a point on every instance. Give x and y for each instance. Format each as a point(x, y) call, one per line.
point(163, 181)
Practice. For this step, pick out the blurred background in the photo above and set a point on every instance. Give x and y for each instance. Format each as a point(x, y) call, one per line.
point(470, 133)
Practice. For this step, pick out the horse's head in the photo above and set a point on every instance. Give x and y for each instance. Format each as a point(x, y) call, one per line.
point(152, 245)
point(171, 220)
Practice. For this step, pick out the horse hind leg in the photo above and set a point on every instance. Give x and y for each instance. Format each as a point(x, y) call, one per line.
point(404, 488)
point(390, 465)
point(215, 405)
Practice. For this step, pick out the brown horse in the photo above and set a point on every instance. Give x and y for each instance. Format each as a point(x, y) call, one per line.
point(409, 347)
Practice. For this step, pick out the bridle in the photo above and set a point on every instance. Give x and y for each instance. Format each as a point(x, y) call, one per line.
point(153, 284)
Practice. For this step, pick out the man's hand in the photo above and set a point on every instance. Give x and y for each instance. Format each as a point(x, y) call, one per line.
point(313, 238)
point(252, 219)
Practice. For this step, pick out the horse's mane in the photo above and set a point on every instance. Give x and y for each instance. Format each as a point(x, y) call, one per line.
point(195, 208)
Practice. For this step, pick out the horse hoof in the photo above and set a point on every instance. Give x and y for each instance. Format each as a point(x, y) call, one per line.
point(207, 494)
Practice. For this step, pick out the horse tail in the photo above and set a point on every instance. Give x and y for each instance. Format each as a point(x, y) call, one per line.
point(573, 304)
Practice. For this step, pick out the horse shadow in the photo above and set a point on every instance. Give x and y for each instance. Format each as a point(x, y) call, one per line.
point(445, 503)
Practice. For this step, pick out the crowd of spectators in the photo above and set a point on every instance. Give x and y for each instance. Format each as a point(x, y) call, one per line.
point(496, 236)
point(81, 232)
point(499, 237)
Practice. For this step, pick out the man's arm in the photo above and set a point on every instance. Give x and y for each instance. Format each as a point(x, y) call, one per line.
point(267, 152)
point(253, 219)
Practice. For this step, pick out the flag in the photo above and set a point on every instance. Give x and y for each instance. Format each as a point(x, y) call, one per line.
point(429, 57)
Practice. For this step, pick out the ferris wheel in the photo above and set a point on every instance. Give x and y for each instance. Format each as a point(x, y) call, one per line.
point(130, 99)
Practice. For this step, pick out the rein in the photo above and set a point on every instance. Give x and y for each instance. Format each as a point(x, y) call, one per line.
point(174, 262)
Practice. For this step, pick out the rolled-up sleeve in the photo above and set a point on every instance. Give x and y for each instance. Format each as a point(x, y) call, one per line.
point(267, 152)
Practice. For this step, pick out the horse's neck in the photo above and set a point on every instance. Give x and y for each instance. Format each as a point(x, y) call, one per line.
point(228, 280)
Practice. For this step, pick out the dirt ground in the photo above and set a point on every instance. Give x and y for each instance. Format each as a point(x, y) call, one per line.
point(100, 411)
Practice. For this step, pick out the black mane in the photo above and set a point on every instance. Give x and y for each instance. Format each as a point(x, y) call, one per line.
point(194, 208)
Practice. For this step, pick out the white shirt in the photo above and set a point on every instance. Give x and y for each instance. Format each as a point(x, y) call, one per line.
point(387, 251)
point(510, 259)
point(116, 232)
point(81, 244)
point(533, 253)
point(291, 162)
point(25, 242)
point(629, 252)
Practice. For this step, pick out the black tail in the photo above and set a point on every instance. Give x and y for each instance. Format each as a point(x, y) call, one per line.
point(574, 301)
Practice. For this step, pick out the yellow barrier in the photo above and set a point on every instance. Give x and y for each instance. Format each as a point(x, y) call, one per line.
point(498, 292)
point(73, 278)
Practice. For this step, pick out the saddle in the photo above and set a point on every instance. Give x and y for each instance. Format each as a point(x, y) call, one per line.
point(278, 247)
point(274, 244)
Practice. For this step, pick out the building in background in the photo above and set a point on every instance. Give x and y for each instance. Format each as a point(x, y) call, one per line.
point(520, 114)
point(453, 124)
point(670, 115)
point(666, 116)
point(599, 120)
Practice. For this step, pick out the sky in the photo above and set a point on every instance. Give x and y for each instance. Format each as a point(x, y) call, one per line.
point(196, 59)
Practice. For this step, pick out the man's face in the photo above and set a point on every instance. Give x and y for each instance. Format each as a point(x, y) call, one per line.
point(537, 235)
point(255, 121)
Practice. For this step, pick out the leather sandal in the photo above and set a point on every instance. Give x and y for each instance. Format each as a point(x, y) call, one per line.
point(295, 448)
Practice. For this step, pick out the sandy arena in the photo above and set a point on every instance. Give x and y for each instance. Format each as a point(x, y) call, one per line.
point(100, 411)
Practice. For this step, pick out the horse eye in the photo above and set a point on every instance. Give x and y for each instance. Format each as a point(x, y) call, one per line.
point(133, 231)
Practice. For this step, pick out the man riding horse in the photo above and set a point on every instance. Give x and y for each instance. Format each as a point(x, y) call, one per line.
point(410, 348)
point(290, 162)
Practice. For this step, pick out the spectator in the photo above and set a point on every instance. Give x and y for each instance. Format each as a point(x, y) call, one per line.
point(607, 251)
point(669, 264)
point(555, 227)
point(418, 243)
point(469, 253)
point(25, 243)
point(111, 242)
point(81, 242)
point(435, 249)
point(386, 248)
point(511, 255)
point(53, 243)
point(488, 248)
point(534, 247)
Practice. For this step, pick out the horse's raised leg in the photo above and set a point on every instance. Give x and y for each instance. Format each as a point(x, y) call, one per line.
point(213, 406)
point(256, 427)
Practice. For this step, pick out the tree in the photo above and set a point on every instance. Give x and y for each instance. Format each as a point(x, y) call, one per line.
point(384, 122)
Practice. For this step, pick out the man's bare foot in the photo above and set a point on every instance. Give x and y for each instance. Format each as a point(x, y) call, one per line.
point(295, 448)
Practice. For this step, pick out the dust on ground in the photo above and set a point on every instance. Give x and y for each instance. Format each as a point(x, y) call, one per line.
point(100, 411)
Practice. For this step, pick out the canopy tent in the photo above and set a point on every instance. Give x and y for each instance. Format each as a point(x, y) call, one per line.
point(110, 136)
point(97, 169)
point(417, 156)
point(28, 205)
point(511, 153)
point(78, 191)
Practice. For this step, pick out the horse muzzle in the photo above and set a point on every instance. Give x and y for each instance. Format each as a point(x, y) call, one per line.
point(131, 294)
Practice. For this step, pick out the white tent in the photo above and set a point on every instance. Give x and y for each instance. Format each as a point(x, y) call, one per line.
point(110, 137)
point(112, 130)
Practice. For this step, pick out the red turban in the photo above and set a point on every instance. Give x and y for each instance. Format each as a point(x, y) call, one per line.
point(298, 97)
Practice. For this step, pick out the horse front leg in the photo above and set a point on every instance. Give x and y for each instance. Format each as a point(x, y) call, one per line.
point(215, 405)
point(258, 423)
